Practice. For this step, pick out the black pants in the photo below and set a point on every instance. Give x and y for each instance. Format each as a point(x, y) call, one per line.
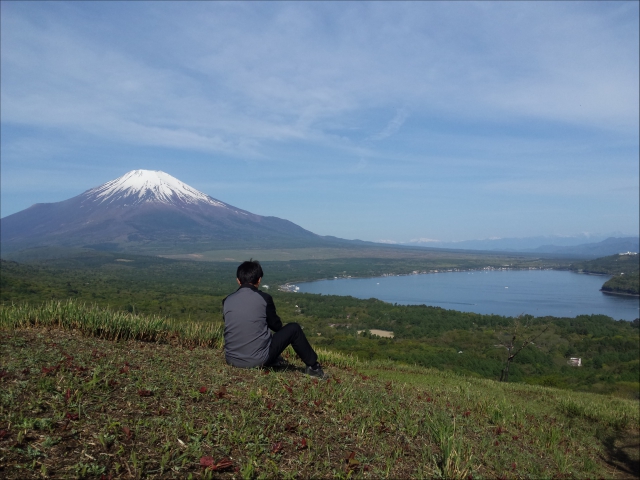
point(292, 334)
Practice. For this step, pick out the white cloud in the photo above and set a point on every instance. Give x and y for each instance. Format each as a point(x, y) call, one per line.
point(393, 126)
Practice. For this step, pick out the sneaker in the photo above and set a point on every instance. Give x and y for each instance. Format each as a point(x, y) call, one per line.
point(315, 371)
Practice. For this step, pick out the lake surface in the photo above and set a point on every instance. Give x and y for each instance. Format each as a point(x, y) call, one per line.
point(501, 292)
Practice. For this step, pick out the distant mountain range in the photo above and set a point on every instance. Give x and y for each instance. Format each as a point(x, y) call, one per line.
point(584, 245)
point(152, 212)
point(149, 211)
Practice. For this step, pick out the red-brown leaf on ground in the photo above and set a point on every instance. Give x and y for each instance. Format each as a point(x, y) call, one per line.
point(466, 414)
point(163, 411)
point(302, 444)
point(145, 393)
point(127, 432)
point(276, 447)
point(48, 370)
point(288, 388)
point(112, 383)
point(265, 372)
point(270, 404)
point(72, 416)
point(317, 402)
point(210, 464)
point(222, 392)
point(67, 395)
point(3, 433)
point(203, 389)
point(125, 369)
point(338, 381)
point(352, 463)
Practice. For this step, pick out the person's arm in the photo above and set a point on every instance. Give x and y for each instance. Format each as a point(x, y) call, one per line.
point(273, 320)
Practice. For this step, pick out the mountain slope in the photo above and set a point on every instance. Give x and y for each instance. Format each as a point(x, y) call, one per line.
point(608, 246)
point(148, 210)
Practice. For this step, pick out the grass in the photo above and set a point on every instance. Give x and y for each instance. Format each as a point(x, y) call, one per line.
point(109, 324)
point(86, 393)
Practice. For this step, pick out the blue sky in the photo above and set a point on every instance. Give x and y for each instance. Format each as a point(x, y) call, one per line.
point(380, 121)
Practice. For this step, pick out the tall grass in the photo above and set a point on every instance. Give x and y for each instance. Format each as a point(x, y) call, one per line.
point(104, 323)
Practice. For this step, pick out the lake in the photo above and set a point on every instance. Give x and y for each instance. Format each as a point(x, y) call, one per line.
point(501, 292)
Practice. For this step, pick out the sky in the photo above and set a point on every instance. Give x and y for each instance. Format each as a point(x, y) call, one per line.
point(380, 121)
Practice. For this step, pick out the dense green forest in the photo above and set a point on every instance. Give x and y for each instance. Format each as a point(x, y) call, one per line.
point(467, 343)
point(624, 269)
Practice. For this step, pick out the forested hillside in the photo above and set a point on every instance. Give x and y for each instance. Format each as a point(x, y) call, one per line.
point(625, 271)
point(427, 336)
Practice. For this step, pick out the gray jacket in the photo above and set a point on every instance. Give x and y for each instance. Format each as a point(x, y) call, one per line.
point(248, 315)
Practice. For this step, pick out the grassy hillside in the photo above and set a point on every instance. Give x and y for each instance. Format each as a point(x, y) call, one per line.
point(160, 402)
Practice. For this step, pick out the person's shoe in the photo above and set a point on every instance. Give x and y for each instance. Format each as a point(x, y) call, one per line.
point(315, 371)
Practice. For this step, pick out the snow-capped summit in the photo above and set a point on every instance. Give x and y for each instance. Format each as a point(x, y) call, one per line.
point(141, 186)
point(146, 210)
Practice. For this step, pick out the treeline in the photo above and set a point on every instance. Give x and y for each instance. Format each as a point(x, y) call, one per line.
point(428, 336)
point(625, 271)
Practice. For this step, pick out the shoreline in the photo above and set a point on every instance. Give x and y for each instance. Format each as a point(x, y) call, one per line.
point(286, 287)
point(607, 292)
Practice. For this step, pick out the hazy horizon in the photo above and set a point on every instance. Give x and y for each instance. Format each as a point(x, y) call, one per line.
point(386, 122)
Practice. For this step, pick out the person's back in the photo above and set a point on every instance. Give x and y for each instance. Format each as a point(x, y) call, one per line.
point(246, 329)
point(248, 315)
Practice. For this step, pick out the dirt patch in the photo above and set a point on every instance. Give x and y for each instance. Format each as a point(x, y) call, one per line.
point(379, 333)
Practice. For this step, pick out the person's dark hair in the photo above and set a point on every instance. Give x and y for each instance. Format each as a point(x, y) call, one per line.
point(249, 272)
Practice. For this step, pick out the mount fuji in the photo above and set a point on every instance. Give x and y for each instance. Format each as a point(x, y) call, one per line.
point(148, 210)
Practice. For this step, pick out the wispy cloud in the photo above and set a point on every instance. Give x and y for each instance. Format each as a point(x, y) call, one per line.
point(393, 126)
point(274, 72)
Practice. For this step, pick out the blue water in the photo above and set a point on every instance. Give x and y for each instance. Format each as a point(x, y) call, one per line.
point(534, 292)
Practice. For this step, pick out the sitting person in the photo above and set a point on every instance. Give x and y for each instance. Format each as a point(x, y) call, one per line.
point(248, 315)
